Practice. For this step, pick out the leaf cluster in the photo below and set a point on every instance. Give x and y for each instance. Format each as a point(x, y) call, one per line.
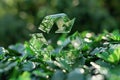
point(80, 56)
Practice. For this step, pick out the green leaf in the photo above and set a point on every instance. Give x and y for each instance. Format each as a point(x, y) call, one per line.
point(18, 48)
point(115, 55)
point(58, 75)
point(111, 55)
point(2, 52)
point(28, 66)
point(24, 76)
point(40, 73)
point(115, 35)
point(4, 67)
point(76, 75)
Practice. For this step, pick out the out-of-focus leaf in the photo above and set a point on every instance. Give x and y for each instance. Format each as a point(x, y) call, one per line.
point(64, 64)
point(78, 42)
point(4, 67)
point(76, 75)
point(111, 73)
point(24, 76)
point(58, 75)
point(40, 73)
point(2, 52)
point(28, 66)
point(115, 35)
point(18, 48)
point(112, 55)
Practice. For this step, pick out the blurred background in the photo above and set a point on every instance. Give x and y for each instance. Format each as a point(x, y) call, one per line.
point(19, 18)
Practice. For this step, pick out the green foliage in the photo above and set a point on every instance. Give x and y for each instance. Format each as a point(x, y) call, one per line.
point(79, 56)
point(111, 55)
point(115, 35)
point(2, 52)
point(24, 76)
